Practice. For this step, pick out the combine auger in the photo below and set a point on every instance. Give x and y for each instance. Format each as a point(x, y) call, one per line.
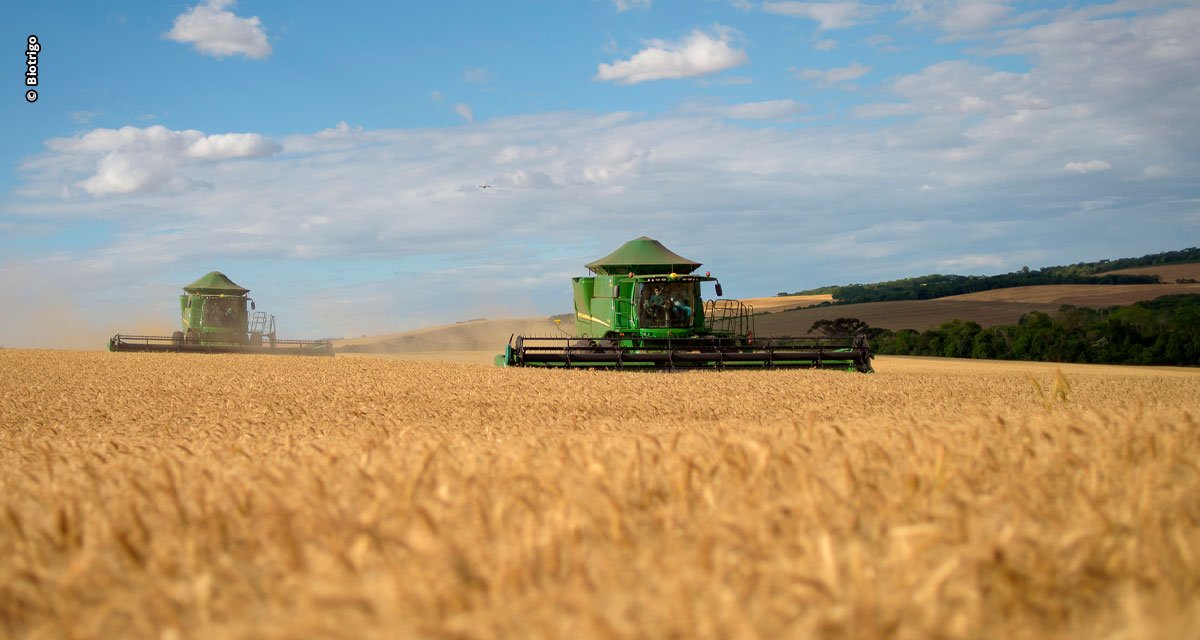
point(642, 308)
point(219, 317)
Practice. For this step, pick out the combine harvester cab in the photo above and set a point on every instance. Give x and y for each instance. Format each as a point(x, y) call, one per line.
point(220, 317)
point(642, 308)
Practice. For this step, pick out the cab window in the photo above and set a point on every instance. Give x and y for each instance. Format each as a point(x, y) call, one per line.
point(666, 304)
point(226, 313)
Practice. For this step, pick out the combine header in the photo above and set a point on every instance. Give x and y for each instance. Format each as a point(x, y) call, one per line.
point(642, 307)
point(216, 320)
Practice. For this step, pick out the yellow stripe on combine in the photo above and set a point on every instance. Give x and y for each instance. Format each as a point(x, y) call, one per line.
point(591, 319)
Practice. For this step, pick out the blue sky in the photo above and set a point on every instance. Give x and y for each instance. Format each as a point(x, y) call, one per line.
point(330, 159)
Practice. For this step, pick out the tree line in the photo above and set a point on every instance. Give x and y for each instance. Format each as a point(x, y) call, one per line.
point(1163, 331)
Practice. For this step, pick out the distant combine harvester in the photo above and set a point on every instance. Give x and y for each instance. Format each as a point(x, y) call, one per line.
point(219, 317)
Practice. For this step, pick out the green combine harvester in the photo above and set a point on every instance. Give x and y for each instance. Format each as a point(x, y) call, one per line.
point(219, 317)
point(642, 308)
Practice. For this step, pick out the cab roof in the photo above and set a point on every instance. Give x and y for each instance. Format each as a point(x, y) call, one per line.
point(643, 255)
point(216, 282)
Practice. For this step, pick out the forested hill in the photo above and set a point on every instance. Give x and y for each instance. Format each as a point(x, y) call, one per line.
point(940, 286)
point(1162, 331)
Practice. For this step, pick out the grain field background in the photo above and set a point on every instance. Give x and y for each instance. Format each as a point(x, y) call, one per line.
point(179, 496)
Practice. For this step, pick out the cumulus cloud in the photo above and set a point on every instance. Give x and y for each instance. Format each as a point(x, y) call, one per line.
point(135, 160)
point(129, 173)
point(698, 54)
point(216, 31)
point(827, 15)
point(1089, 166)
point(827, 77)
point(225, 146)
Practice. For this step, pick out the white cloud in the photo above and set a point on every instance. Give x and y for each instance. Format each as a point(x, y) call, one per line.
point(741, 5)
point(226, 146)
point(518, 153)
point(698, 54)
point(136, 160)
point(342, 131)
point(958, 87)
point(959, 17)
point(974, 262)
point(828, 44)
point(975, 17)
point(833, 76)
point(131, 172)
point(214, 30)
point(972, 104)
point(828, 15)
point(464, 110)
point(767, 110)
point(626, 5)
point(1090, 166)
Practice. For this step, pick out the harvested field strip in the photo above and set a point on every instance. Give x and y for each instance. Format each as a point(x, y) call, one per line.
point(220, 496)
point(905, 314)
point(1087, 295)
point(999, 306)
point(774, 304)
point(1168, 272)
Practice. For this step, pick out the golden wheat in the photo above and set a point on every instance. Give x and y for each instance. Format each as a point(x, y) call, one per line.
point(241, 496)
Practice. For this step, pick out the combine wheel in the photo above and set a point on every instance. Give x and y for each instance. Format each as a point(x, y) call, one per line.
point(177, 338)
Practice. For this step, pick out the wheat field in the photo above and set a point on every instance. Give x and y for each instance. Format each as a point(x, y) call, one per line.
point(181, 496)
